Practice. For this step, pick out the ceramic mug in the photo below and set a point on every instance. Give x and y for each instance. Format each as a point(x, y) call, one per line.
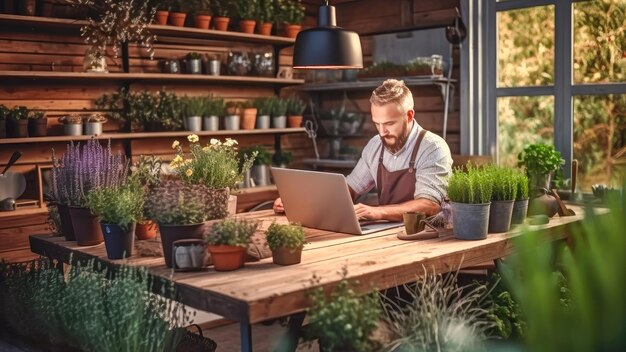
point(413, 221)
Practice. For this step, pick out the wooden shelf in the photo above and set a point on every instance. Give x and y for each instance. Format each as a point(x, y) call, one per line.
point(160, 31)
point(330, 163)
point(118, 76)
point(359, 85)
point(148, 135)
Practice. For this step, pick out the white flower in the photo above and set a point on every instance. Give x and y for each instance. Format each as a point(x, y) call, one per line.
point(193, 138)
point(230, 142)
point(215, 141)
point(175, 144)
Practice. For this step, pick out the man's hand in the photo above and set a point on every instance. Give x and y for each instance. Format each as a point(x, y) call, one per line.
point(278, 206)
point(367, 212)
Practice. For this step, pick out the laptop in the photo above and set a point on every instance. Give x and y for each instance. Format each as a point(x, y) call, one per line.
point(322, 200)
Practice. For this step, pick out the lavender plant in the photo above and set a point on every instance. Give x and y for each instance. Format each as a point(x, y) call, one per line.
point(83, 168)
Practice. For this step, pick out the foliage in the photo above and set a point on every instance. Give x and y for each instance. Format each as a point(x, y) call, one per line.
point(472, 187)
point(4, 112)
point(522, 186)
point(193, 56)
point(18, 113)
point(214, 106)
point(193, 106)
point(122, 205)
point(540, 159)
point(279, 107)
point(285, 235)
point(215, 165)
point(71, 119)
point(231, 232)
point(36, 114)
point(147, 171)
point(173, 202)
point(282, 157)
point(246, 9)
point(289, 11)
point(438, 316)
point(83, 168)
point(345, 318)
point(263, 106)
point(295, 106)
point(259, 153)
point(221, 8)
point(593, 304)
point(383, 68)
point(201, 7)
point(504, 311)
point(266, 11)
point(87, 310)
point(114, 22)
point(95, 117)
point(503, 182)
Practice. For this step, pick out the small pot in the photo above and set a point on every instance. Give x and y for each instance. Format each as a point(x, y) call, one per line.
point(279, 121)
point(470, 221)
point(231, 122)
point(292, 30)
point(260, 174)
point(221, 23)
point(227, 258)
point(294, 121)
point(202, 21)
point(193, 66)
point(211, 123)
point(161, 17)
point(264, 28)
point(193, 123)
point(73, 129)
point(38, 127)
point(287, 256)
point(86, 227)
point(171, 233)
point(170, 66)
point(213, 67)
point(93, 128)
point(146, 230)
point(263, 121)
point(118, 242)
point(500, 213)
point(520, 207)
point(248, 120)
point(17, 128)
point(247, 26)
point(177, 19)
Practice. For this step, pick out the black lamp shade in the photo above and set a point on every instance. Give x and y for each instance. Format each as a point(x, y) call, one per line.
point(327, 46)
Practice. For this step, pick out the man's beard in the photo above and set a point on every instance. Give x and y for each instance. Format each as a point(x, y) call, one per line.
point(399, 141)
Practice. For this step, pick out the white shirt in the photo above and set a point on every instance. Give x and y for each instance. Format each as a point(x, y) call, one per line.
point(433, 165)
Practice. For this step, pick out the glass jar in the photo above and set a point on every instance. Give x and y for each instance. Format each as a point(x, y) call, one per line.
point(436, 65)
point(94, 61)
point(238, 63)
point(264, 64)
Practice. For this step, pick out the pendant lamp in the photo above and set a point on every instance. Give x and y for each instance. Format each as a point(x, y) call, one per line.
point(327, 46)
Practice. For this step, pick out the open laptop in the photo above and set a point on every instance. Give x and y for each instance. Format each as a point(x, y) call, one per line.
point(321, 200)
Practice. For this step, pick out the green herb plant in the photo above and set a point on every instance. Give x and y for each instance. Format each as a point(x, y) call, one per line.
point(18, 113)
point(121, 205)
point(471, 187)
point(522, 186)
point(262, 155)
point(193, 56)
point(279, 107)
point(503, 182)
point(290, 11)
point(231, 232)
point(540, 159)
point(285, 235)
point(295, 106)
point(263, 106)
point(265, 13)
point(194, 106)
point(246, 9)
point(282, 157)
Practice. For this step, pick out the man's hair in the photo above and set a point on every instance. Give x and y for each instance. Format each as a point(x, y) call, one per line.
point(393, 91)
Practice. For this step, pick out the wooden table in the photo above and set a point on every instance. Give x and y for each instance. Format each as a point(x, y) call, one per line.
point(262, 290)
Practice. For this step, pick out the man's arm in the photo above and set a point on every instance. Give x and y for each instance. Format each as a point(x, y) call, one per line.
point(393, 212)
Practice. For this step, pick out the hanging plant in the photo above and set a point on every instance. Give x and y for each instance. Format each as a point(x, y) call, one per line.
point(113, 22)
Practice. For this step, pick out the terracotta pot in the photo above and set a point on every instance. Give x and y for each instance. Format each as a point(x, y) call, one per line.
point(17, 128)
point(86, 227)
point(292, 30)
point(221, 23)
point(247, 26)
point(38, 127)
point(177, 19)
point(248, 119)
point(294, 121)
point(287, 256)
point(161, 17)
point(227, 258)
point(202, 21)
point(146, 230)
point(264, 28)
point(171, 233)
point(119, 243)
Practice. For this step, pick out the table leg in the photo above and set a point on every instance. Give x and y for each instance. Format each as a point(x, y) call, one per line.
point(245, 335)
point(289, 341)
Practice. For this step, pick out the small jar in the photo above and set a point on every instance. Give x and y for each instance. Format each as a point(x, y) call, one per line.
point(238, 63)
point(436, 65)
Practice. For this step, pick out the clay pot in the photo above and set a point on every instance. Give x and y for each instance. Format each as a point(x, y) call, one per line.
point(86, 227)
point(161, 17)
point(221, 23)
point(146, 230)
point(227, 258)
point(264, 28)
point(202, 21)
point(294, 121)
point(292, 30)
point(248, 119)
point(177, 19)
point(247, 26)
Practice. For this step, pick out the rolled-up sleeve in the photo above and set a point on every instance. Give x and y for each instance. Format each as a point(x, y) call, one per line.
point(361, 179)
point(433, 169)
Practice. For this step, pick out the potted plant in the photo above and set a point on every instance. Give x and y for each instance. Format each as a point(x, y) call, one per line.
point(291, 14)
point(4, 114)
point(233, 116)
point(540, 161)
point(162, 11)
point(260, 171)
point(93, 124)
point(247, 11)
point(119, 208)
point(17, 122)
point(264, 109)
point(504, 191)
point(185, 207)
point(286, 242)
point(194, 109)
point(520, 206)
point(221, 13)
point(213, 109)
point(37, 123)
point(282, 158)
point(72, 124)
point(470, 194)
point(248, 116)
point(227, 241)
point(202, 14)
point(295, 108)
point(178, 13)
point(330, 315)
point(147, 173)
point(265, 16)
point(279, 111)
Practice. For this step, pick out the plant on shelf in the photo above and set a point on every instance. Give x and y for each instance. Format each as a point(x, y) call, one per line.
point(214, 106)
point(295, 108)
point(279, 107)
point(71, 119)
point(345, 319)
point(193, 56)
point(202, 13)
point(540, 161)
point(265, 16)
point(95, 117)
point(72, 124)
point(247, 11)
point(286, 242)
point(4, 114)
point(17, 122)
point(263, 106)
point(227, 242)
point(291, 13)
point(221, 8)
point(383, 69)
point(282, 158)
point(115, 22)
point(193, 108)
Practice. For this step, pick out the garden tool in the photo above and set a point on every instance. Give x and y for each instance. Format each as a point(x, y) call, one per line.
point(563, 210)
point(12, 184)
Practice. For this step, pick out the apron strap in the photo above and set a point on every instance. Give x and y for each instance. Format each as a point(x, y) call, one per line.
point(415, 149)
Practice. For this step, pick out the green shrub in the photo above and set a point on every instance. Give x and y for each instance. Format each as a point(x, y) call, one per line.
point(471, 187)
point(117, 205)
point(522, 186)
point(261, 155)
point(295, 106)
point(540, 159)
point(231, 232)
point(503, 182)
point(285, 235)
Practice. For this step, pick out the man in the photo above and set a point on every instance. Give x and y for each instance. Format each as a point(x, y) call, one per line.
point(408, 165)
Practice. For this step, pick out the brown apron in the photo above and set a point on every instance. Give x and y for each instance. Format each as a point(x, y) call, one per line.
point(397, 186)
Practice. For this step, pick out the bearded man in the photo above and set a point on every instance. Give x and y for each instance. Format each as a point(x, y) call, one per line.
point(408, 165)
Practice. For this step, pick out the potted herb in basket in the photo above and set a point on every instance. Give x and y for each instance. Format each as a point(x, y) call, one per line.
point(470, 194)
point(520, 206)
point(94, 123)
point(286, 242)
point(227, 242)
point(72, 124)
point(119, 209)
point(37, 123)
point(504, 191)
point(295, 108)
point(17, 122)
